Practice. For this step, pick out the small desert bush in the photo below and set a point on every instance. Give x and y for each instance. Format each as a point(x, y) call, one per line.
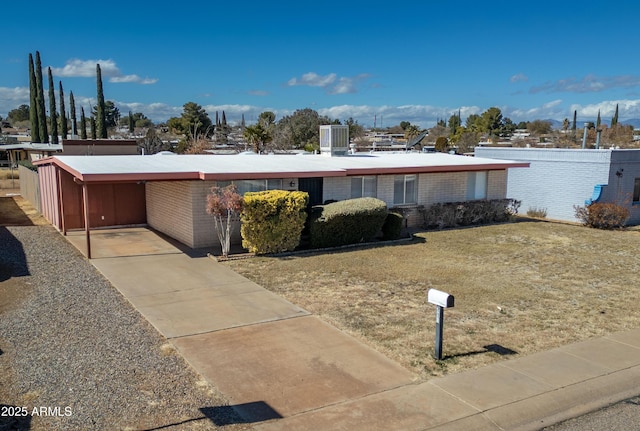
point(537, 212)
point(452, 214)
point(603, 215)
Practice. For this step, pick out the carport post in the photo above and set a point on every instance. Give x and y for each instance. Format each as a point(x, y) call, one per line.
point(85, 199)
point(61, 220)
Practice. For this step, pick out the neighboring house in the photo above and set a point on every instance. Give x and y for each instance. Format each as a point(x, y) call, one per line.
point(559, 179)
point(29, 151)
point(168, 192)
point(72, 147)
point(99, 147)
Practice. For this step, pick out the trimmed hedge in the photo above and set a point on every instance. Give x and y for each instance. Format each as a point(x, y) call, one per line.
point(468, 213)
point(272, 220)
point(346, 222)
point(392, 227)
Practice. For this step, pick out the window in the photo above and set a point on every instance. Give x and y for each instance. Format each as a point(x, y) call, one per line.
point(363, 187)
point(405, 189)
point(245, 186)
point(477, 185)
point(636, 191)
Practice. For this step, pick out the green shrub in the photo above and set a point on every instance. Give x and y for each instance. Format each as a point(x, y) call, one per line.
point(392, 227)
point(27, 164)
point(272, 221)
point(346, 222)
point(452, 214)
point(603, 215)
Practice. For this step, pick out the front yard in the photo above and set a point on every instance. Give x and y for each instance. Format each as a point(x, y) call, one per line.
point(520, 288)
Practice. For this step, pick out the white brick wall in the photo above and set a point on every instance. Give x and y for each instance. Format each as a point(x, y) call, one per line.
point(169, 209)
point(556, 180)
point(497, 185)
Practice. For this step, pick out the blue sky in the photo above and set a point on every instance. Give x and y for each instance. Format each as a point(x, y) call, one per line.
point(411, 61)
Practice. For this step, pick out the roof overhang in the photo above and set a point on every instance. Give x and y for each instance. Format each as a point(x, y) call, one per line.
point(94, 169)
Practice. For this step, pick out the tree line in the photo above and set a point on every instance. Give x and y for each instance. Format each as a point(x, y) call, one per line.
point(47, 127)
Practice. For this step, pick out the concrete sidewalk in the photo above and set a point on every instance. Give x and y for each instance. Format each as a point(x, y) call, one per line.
point(284, 369)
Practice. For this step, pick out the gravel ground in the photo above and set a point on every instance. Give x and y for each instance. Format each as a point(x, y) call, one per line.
point(73, 349)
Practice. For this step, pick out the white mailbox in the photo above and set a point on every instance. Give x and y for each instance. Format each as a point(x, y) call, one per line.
point(442, 299)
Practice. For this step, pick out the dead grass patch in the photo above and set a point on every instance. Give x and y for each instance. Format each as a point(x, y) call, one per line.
point(17, 211)
point(520, 288)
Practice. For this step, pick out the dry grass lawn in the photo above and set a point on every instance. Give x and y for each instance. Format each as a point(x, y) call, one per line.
point(519, 288)
point(9, 179)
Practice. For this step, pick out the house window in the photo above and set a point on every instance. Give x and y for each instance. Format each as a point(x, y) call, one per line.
point(405, 189)
point(363, 187)
point(636, 191)
point(245, 186)
point(477, 185)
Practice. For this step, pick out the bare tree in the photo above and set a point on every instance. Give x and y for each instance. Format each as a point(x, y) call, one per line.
point(225, 205)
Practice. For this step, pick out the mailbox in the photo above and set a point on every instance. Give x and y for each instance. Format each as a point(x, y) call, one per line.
point(442, 299)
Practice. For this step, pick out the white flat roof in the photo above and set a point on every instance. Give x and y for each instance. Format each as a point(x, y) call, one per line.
point(32, 146)
point(242, 166)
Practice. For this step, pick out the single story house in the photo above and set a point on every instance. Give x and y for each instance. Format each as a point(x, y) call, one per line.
point(168, 192)
point(559, 179)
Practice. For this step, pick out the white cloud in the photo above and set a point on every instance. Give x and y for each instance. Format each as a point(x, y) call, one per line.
point(312, 79)
point(331, 83)
point(587, 84)
point(520, 77)
point(627, 109)
point(76, 68)
point(13, 97)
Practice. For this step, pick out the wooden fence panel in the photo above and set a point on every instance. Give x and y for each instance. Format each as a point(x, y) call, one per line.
point(30, 186)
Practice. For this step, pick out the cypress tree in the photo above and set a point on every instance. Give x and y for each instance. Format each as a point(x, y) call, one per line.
point(53, 116)
point(614, 120)
point(72, 107)
point(83, 124)
point(42, 112)
point(132, 125)
point(598, 121)
point(101, 121)
point(92, 121)
point(63, 114)
point(33, 103)
point(573, 127)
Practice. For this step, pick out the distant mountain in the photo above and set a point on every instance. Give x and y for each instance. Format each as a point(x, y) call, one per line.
point(555, 124)
point(635, 122)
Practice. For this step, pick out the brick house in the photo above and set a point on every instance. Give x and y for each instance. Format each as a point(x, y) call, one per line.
point(168, 192)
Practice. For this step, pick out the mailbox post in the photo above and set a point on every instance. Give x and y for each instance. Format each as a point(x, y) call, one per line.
point(442, 300)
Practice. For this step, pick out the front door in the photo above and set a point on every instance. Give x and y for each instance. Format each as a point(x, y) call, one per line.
point(313, 186)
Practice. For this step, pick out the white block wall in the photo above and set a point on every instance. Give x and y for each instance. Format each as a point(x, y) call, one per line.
point(169, 209)
point(179, 209)
point(556, 180)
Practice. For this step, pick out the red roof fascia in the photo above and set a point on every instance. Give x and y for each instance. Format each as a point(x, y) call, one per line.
point(228, 176)
point(431, 169)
